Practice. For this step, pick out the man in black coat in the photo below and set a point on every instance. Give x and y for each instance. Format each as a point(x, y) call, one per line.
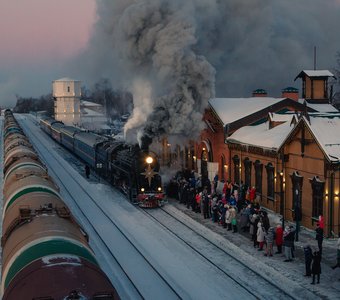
point(307, 250)
point(316, 266)
point(319, 237)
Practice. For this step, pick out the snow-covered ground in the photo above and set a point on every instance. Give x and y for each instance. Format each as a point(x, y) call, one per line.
point(190, 274)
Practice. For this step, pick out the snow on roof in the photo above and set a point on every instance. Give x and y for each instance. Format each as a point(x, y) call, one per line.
point(317, 73)
point(89, 138)
point(325, 108)
point(326, 131)
point(87, 112)
point(66, 79)
point(233, 109)
point(280, 117)
point(89, 104)
point(261, 136)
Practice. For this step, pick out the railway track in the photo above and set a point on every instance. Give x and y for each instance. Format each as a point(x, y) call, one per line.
point(157, 274)
point(115, 237)
point(232, 266)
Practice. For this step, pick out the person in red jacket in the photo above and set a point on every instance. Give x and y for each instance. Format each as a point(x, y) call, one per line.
point(321, 222)
point(279, 238)
point(252, 193)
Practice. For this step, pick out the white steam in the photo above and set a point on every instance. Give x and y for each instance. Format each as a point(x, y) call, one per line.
point(177, 45)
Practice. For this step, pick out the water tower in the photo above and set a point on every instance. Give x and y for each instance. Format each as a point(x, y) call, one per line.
point(66, 94)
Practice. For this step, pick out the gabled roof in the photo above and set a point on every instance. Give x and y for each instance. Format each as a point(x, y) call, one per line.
point(261, 136)
point(324, 108)
point(325, 130)
point(235, 113)
point(314, 73)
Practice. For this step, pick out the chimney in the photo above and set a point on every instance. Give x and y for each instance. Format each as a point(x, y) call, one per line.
point(291, 93)
point(260, 93)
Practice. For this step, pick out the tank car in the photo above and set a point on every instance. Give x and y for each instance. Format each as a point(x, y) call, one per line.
point(45, 254)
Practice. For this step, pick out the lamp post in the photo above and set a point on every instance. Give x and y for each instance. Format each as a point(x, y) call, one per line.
point(282, 202)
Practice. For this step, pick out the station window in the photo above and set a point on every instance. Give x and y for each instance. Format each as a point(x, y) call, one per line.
point(270, 180)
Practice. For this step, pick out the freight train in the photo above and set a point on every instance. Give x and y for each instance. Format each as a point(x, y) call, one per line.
point(45, 252)
point(131, 168)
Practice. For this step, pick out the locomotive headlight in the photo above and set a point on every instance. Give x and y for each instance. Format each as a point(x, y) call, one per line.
point(142, 190)
point(159, 189)
point(149, 160)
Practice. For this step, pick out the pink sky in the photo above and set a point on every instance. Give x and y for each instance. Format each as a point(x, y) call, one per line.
point(39, 30)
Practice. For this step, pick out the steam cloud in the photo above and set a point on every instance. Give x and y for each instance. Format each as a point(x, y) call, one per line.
point(173, 49)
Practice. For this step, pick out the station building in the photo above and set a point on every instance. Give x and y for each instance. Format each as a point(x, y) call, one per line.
point(288, 148)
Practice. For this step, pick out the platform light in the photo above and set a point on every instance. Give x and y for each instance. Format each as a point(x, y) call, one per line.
point(149, 160)
point(159, 189)
point(142, 190)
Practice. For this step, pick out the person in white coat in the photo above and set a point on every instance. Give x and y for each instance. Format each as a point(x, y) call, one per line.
point(260, 236)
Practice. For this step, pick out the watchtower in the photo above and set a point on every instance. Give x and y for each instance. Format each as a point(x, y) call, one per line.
point(315, 85)
point(66, 94)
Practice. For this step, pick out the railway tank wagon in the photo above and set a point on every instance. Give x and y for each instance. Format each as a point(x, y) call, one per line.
point(45, 254)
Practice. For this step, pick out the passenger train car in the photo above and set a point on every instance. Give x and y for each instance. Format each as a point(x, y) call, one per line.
point(45, 252)
point(132, 169)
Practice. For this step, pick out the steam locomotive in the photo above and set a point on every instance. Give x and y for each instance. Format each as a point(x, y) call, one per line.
point(45, 252)
point(131, 168)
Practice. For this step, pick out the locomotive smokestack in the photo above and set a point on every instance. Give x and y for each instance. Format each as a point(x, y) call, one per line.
point(145, 142)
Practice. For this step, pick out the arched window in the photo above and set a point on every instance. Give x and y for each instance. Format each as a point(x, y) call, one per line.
point(297, 181)
point(258, 176)
point(247, 171)
point(236, 161)
point(270, 181)
point(318, 187)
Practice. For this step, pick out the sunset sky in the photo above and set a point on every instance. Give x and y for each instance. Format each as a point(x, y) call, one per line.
point(37, 36)
point(252, 43)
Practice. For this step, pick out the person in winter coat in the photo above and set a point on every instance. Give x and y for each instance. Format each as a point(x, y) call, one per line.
point(233, 215)
point(260, 236)
point(288, 242)
point(321, 222)
point(254, 222)
point(244, 219)
point(198, 198)
point(319, 236)
point(269, 237)
point(252, 193)
point(337, 254)
point(279, 238)
point(316, 266)
point(87, 171)
point(228, 218)
point(264, 220)
point(307, 250)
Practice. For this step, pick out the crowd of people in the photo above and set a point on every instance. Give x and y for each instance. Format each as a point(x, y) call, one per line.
point(236, 207)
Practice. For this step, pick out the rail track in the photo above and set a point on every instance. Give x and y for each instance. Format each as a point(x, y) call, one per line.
point(222, 260)
point(235, 271)
point(116, 236)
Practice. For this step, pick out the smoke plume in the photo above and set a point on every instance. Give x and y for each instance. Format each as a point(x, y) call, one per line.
point(173, 53)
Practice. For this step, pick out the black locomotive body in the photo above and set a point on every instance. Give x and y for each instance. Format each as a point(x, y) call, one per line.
point(133, 170)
